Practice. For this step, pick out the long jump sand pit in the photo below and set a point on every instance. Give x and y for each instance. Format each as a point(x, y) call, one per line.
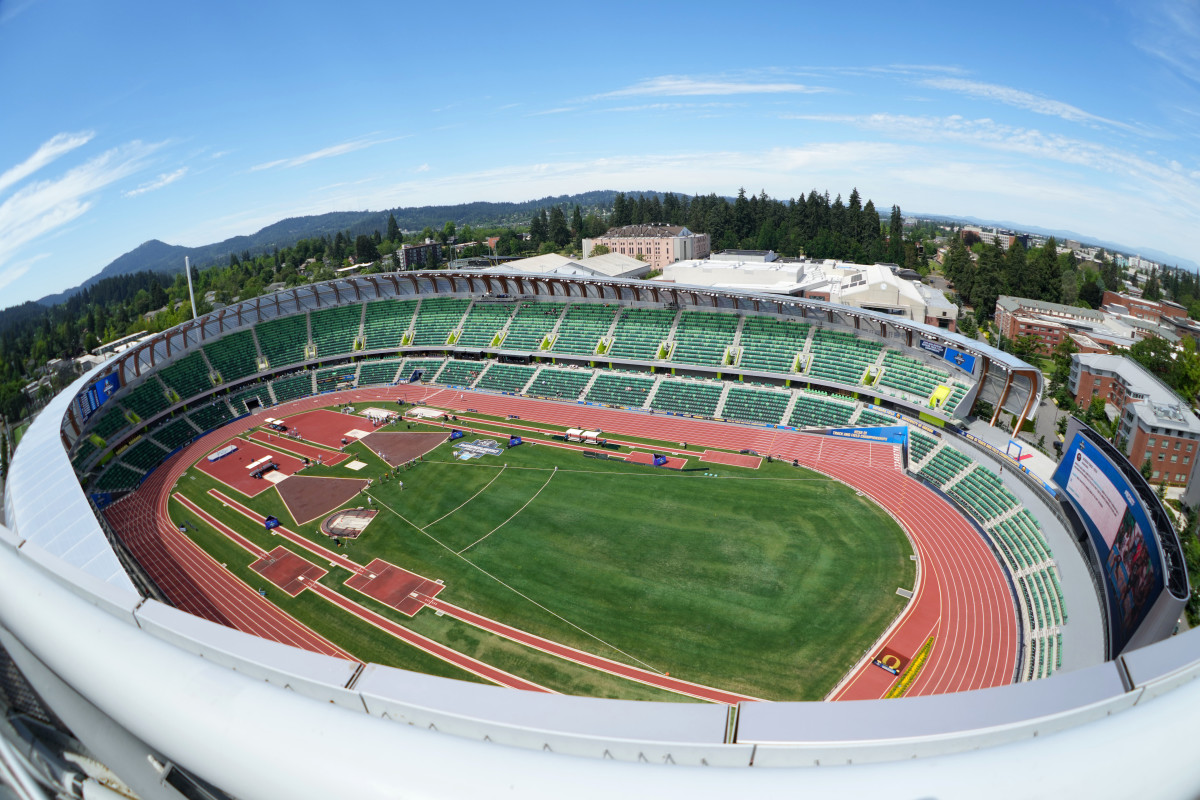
point(394, 586)
point(308, 498)
point(397, 448)
point(287, 570)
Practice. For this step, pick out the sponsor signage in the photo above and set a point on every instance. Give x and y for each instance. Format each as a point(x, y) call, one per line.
point(893, 434)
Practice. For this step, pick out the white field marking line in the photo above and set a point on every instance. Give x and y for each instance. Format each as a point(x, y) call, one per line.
point(518, 592)
point(621, 474)
point(469, 499)
point(549, 478)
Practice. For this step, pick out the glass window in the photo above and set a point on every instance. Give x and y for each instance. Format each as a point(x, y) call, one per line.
point(1155, 474)
point(1150, 442)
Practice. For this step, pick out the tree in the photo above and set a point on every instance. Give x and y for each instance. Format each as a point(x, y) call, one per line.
point(393, 229)
point(448, 231)
point(559, 233)
point(365, 249)
point(1147, 469)
point(895, 250)
point(599, 250)
point(1152, 290)
point(538, 228)
point(1155, 355)
point(1092, 294)
point(988, 283)
point(577, 222)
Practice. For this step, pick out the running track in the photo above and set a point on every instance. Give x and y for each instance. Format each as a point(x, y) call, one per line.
point(962, 598)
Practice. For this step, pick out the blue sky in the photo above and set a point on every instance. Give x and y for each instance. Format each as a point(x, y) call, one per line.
point(193, 122)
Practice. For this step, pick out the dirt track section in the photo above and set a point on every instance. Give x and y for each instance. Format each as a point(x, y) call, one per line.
point(397, 448)
point(309, 498)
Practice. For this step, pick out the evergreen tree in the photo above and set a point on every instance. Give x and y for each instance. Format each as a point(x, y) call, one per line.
point(895, 251)
point(576, 223)
point(365, 249)
point(558, 231)
point(621, 214)
point(539, 228)
point(393, 229)
point(989, 280)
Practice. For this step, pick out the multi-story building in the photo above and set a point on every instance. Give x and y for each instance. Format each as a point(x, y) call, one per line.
point(1154, 422)
point(1141, 308)
point(658, 244)
point(419, 256)
point(1051, 323)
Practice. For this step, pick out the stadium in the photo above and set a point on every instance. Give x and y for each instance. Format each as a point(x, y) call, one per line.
point(174, 611)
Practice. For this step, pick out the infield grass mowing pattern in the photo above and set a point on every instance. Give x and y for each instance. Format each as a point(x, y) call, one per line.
point(360, 638)
point(770, 582)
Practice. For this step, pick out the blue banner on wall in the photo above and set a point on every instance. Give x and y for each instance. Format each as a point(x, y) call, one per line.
point(964, 361)
point(1120, 529)
point(893, 434)
point(958, 358)
point(95, 395)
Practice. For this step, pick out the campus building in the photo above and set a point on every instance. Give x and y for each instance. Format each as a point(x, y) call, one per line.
point(419, 256)
point(658, 244)
point(1154, 424)
point(1139, 308)
point(1051, 323)
point(872, 287)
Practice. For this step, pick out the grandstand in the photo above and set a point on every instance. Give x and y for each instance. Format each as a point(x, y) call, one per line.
point(147, 399)
point(911, 375)
point(813, 409)
point(174, 433)
point(428, 367)
point(754, 405)
point(699, 398)
point(144, 455)
point(620, 389)
point(283, 340)
point(505, 377)
point(335, 330)
point(240, 401)
point(531, 324)
point(436, 318)
point(187, 377)
point(561, 384)
point(771, 345)
point(213, 415)
point(582, 327)
point(293, 387)
point(640, 333)
point(482, 326)
point(233, 356)
point(386, 321)
point(375, 372)
point(703, 338)
point(330, 379)
point(841, 356)
point(460, 373)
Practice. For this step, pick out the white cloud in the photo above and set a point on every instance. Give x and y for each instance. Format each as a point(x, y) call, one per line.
point(422, 168)
point(57, 146)
point(673, 106)
point(1171, 33)
point(548, 111)
point(1022, 99)
point(684, 85)
point(38, 208)
point(17, 270)
point(328, 152)
point(158, 183)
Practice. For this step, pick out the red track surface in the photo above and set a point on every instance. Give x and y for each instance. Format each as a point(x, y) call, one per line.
point(328, 457)
point(733, 459)
point(234, 469)
point(324, 426)
point(962, 599)
point(467, 663)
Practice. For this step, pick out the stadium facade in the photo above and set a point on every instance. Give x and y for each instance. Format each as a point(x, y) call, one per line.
point(108, 689)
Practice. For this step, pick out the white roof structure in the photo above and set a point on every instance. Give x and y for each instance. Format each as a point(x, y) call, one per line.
point(610, 265)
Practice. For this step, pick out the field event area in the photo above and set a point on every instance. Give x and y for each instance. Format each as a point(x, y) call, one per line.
point(767, 582)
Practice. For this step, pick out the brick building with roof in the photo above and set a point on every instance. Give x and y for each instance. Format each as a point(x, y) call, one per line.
point(657, 243)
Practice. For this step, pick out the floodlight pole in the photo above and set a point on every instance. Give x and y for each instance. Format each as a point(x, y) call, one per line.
point(187, 267)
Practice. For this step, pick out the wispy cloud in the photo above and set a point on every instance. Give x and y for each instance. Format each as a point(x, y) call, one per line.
point(560, 110)
point(422, 168)
point(158, 183)
point(38, 208)
point(669, 107)
point(686, 86)
point(17, 270)
point(328, 152)
point(1171, 33)
point(1022, 99)
point(56, 146)
point(1143, 175)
